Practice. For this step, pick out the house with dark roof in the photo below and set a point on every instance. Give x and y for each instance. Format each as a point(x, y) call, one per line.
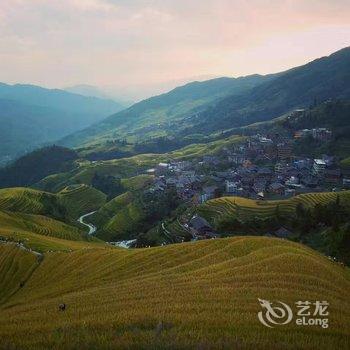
point(277, 188)
point(202, 227)
point(282, 232)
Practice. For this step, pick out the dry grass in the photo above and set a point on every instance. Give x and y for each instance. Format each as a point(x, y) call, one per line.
point(41, 233)
point(244, 208)
point(205, 293)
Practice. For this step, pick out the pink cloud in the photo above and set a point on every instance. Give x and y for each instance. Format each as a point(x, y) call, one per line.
point(103, 42)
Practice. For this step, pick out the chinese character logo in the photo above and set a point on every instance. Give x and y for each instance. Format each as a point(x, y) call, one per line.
point(274, 315)
point(307, 314)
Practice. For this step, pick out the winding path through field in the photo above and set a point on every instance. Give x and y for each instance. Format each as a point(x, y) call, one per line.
point(92, 228)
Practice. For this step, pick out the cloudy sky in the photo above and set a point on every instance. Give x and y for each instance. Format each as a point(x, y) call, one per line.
point(125, 43)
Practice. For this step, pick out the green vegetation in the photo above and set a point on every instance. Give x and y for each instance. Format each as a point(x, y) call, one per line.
point(345, 163)
point(33, 167)
point(41, 233)
point(319, 220)
point(25, 200)
point(199, 109)
point(159, 116)
point(132, 213)
point(80, 199)
point(192, 295)
point(68, 204)
point(128, 167)
point(322, 79)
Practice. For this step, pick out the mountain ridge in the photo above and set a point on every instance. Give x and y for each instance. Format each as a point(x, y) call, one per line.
point(320, 79)
point(33, 116)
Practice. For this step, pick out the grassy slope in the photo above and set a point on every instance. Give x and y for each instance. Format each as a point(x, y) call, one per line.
point(16, 266)
point(128, 167)
point(69, 203)
point(219, 208)
point(81, 199)
point(30, 201)
point(163, 114)
point(118, 217)
point(41, 233)
point(206, 293)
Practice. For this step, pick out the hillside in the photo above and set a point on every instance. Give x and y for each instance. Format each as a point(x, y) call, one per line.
point(41, 233)
point(16, 265)
point(319, 80)
point(132, 213)
point(36, 165)
point(199, 109)
point(333, 115)
point(246, 209)
point(32, 116)
point(80, 199)
point(131, 166)
point(66, 205)
point(158, 116)
point(319, 220)
point(192, 295)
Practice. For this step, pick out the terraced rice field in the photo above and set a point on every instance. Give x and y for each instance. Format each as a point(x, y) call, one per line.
point(176, 231)
point(117, 217)
point(198, 295)
point(41, 233)
point(245, 208)
point(81, 199)
point(25, 200)
point(71, 202)
point(16, 267)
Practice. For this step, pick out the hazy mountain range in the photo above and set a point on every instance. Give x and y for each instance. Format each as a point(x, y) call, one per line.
point(223, 103)
point(93, 91)
point(31, 116)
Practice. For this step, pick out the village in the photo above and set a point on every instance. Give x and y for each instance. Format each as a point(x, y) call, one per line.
point(263, 167)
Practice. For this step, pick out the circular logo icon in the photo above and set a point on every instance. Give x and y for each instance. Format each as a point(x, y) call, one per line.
point(273, 315)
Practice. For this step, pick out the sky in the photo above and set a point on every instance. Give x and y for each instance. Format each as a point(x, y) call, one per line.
point(134, 47)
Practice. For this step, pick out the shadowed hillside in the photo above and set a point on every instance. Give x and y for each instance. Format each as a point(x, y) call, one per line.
point(32, 116)
point(36, 165)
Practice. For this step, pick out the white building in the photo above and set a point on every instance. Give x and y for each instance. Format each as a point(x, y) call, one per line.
point(231, 187)
point(319, 166)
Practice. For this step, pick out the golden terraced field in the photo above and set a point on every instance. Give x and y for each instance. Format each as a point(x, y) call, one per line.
point(247, 208)
point(197, 295)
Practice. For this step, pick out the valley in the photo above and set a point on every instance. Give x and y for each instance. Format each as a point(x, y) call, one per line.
point(168, 224)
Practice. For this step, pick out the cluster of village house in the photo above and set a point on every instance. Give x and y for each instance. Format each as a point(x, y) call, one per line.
point(262, 167)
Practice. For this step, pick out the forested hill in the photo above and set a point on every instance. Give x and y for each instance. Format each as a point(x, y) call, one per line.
point(59, 99)
point(161, 115)
point(219, 104)
point(34, 166)
point(319, 80)
point(32, 116)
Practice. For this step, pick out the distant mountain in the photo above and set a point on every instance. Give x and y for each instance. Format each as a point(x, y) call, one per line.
point(201, 108)
point(319, 80)
point(93, 91)
point(163, 114)
point(31, 116)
